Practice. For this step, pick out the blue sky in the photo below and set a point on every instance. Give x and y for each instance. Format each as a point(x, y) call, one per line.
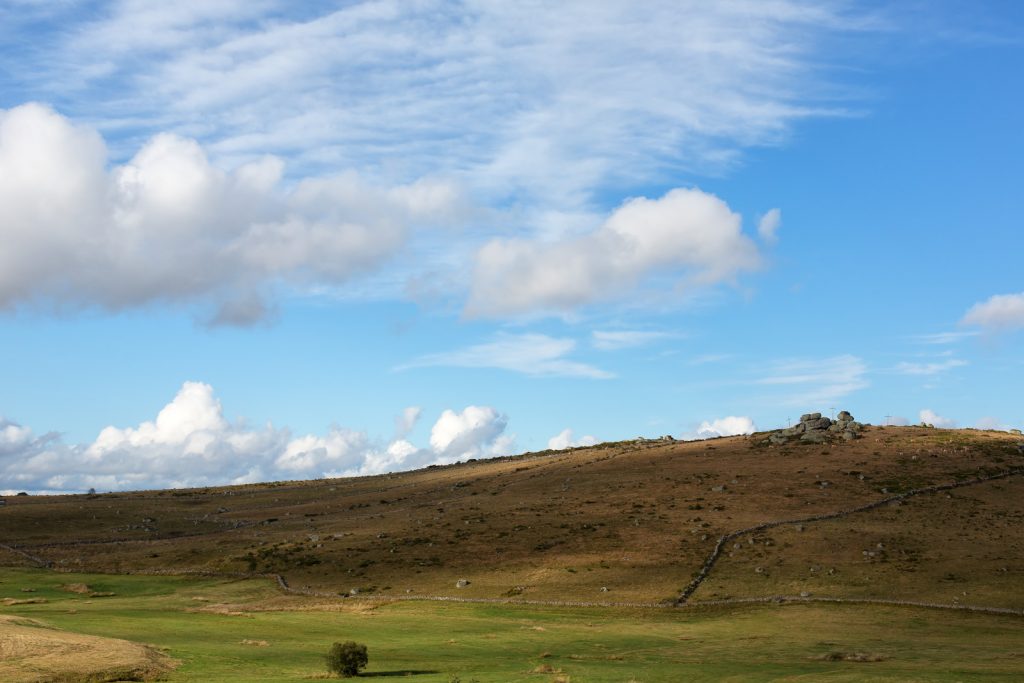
point(240, 241)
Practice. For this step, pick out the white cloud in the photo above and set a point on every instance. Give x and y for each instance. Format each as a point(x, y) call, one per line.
point(768, 226)
point(929, 416)
point(943, 337)
point(1000, 312)
point(707, 358)
point(726, 426)
point(613, 340)
point(475, 432)
point(690, 235)
point(545, 99)
point(817, 383)
point(895, 421)
point(906, 368)
point(406, 422)
point(190, 443)
point(564, 439)
point(538, 113)
point(169, 226)
point(530, 354)
point(991, 424)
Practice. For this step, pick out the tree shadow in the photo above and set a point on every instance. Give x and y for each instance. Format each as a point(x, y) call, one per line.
point(388, 674)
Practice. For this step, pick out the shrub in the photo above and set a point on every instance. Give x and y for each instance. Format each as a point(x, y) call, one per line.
point(347, 658)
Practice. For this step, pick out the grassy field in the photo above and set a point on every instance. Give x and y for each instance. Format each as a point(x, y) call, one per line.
point(247, 631)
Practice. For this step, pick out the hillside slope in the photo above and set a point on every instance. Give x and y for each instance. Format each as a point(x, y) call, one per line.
point(622, 522)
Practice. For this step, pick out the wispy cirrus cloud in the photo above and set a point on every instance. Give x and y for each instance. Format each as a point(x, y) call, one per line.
point(529, 354)
point(927, 369)
point(543, 115)
point(944, 338)
point(817, 382)
point(614, 340)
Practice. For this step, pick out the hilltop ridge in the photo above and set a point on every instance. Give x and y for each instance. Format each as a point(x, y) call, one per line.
point(623, 522)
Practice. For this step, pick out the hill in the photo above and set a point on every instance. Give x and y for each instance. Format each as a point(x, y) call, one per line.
point(625, 522)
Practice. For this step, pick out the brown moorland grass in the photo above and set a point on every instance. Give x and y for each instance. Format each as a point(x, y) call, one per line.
point(31, 652)
point(618, 522)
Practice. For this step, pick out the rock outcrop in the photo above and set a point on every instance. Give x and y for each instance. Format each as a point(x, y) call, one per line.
point(813, 428)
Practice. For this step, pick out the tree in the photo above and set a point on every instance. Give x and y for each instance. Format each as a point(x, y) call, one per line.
point(347, 658)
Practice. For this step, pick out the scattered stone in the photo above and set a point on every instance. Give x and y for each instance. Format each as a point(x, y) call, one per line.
point(604, 589)
point(719, 489)
point(814, 437)
point(462, 583)
point(813, 428)
point(804, 594)
point(822, 423)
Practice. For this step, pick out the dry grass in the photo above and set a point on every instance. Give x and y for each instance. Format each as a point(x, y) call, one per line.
point(30, 652)
point(254, 643)
point(221, 610)
point(10, 602)
point(637, 519)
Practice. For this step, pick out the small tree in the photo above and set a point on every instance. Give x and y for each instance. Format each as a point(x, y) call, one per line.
point(347, 658)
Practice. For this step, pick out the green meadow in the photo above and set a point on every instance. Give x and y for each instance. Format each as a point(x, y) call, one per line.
point(223, 630)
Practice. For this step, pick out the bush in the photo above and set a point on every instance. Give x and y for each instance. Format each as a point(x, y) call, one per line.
point(347, 658)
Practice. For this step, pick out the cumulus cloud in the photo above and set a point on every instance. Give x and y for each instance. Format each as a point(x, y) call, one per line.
point(1001, 312)
point(929, 416)
point(191, 443)
point(169, 226)
point(475, 432)
point(726, 426)
point(564, 439)
point(992, 424)
point(692, 236)
point(768, 226)
point(539, 112)
point(530, 354)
